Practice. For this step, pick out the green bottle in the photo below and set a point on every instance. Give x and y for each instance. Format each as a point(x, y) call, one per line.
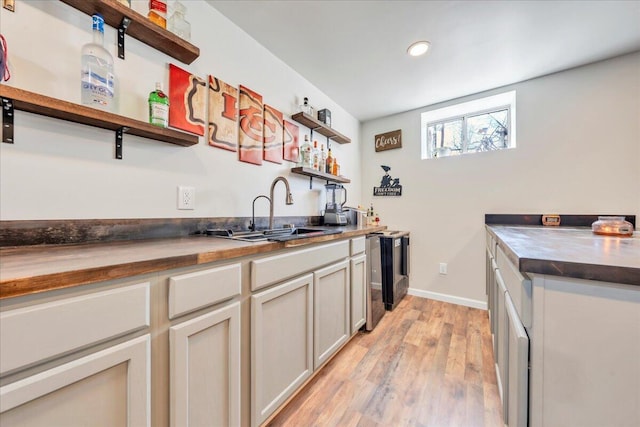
point(159, 107)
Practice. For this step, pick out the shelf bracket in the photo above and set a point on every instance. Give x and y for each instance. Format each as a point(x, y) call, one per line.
point(122, 29)
point(119, 140)
point(310, 183)
point(7, 120)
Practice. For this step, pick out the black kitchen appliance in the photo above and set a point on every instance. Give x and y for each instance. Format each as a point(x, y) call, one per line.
point(395, 261)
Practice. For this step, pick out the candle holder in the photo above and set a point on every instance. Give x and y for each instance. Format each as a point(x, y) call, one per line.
point(612, 226)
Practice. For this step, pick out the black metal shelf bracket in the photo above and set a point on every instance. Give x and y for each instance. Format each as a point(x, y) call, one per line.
point(122, 29)
point(7, 120)
point(119, 140)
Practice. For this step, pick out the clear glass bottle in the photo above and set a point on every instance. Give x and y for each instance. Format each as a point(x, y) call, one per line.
point(306, 107)
point(323, 159)
point(305, 154)
point(97, 78)
point(316, 156)
point(178, 24)
point(159, 107)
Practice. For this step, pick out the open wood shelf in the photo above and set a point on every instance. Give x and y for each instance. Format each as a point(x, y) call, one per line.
point(320, 175)
point(52, 107)
point(321, 128)
point(140, 28)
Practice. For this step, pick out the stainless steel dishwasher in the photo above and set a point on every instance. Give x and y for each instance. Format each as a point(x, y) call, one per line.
point(375, 303)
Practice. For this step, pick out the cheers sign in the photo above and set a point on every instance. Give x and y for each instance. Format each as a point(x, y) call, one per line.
point(389, 140)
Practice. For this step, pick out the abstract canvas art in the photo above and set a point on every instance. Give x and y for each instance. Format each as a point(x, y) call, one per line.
point(187, 101)
point(272, 134)
point(223, 115)
point(250, 123)
point(291, 135)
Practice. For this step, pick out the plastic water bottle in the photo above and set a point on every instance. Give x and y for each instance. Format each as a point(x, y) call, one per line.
point(97, 76)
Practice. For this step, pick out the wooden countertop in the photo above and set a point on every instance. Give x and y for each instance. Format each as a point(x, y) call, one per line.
point(33, 269)
point(571, 252)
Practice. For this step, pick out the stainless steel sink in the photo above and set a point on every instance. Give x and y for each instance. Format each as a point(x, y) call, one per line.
point(276, 235)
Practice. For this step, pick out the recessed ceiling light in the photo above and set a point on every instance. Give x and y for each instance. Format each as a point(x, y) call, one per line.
point(418, 48)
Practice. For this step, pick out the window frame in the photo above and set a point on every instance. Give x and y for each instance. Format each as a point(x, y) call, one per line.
point(500, 102)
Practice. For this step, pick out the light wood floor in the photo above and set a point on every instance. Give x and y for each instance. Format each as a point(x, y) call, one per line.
point(427, 363)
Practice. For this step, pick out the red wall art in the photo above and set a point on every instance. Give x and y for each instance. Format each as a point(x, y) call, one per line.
point(223, 115)
point(187, 100)
point(272, 134)
point(291, 149)
point(250, 124)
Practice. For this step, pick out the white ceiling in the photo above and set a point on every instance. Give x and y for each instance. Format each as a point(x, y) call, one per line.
point(355, 51)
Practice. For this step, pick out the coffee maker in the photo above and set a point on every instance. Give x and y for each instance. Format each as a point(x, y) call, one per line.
point(333, 214)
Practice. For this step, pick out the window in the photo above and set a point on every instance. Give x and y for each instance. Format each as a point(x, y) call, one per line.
point(485, 124)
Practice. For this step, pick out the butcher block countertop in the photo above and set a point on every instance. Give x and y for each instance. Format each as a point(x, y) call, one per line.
point(33, 269)
point(571, 252)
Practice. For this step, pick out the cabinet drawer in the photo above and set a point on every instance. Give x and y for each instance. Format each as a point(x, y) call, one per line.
point(189, 292)
point(518, 286)
point(267, 271)
point(357, 245)
point(38, 333)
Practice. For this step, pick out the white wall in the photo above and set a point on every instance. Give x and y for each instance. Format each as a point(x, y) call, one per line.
point(578, 136)
point(59, 170)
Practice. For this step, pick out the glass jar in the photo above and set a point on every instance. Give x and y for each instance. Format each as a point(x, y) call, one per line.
point(612, 226)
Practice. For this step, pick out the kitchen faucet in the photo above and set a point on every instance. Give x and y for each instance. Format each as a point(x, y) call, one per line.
point(252, 224)
point(288, 201)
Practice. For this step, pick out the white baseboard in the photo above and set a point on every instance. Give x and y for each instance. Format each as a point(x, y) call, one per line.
point(448, 298)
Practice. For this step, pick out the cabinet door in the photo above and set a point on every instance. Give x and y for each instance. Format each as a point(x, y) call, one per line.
point(517, 368)
point(108, 388)
point(331, 307)
point(501, 341)
point(205, 369)
point(281, 344)
point(358, 292)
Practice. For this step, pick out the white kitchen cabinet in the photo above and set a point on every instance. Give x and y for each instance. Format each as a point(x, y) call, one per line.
point(358, 292)
point(205, 369)
point(108, 388)
point(331, 307)
point(517, 368)
point(281, 344)
point(501, 342)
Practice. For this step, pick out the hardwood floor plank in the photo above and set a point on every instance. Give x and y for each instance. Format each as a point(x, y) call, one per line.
point(427, 364)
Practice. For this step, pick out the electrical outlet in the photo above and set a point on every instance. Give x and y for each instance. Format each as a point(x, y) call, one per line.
point(186, 197)
point(443, 268)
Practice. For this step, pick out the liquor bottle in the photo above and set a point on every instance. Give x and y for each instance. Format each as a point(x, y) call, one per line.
point(322, 163)
point(158, 12)
point(305, 107)
point(159, 107)
point(335, 167)
point(97, 79)
point(305, 153)
point(178, 24)
point(316, 156)
point(329, 162)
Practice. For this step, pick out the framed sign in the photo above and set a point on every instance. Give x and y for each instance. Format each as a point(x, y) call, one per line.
point(389, 140)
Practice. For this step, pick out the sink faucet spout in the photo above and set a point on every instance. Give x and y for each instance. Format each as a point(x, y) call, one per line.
point(288, 200)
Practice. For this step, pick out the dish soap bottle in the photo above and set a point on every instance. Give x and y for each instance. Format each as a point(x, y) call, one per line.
point(159, 107)
point(97, 79)
point(177, 23)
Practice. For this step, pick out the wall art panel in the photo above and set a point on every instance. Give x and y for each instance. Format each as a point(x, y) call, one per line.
point(223, 115)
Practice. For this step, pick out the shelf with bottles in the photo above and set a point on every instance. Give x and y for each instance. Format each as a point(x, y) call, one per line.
point(19, 99)
point(312, 173)
point(317, 126)
point(138, 27)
